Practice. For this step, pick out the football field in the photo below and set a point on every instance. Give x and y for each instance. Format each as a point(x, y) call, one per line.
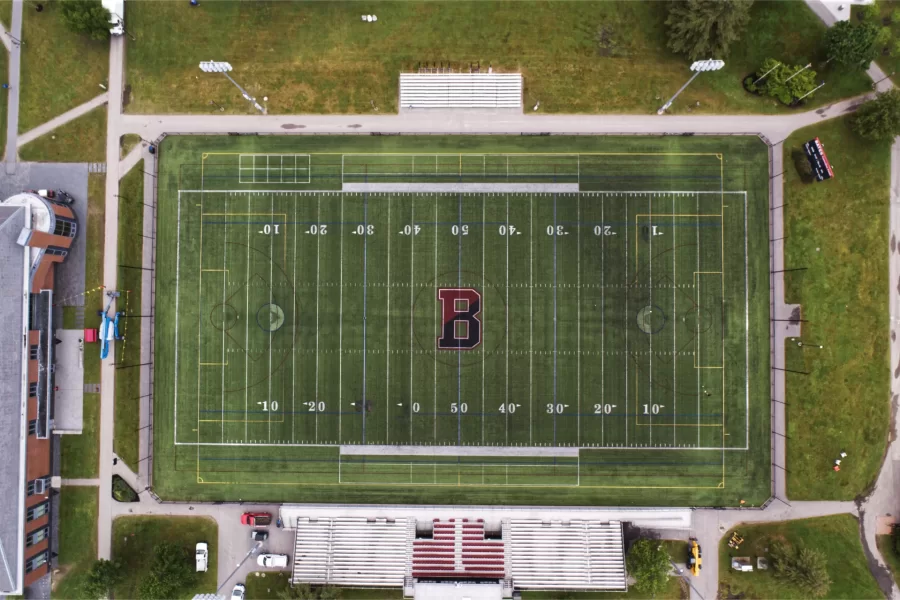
point(384, 322)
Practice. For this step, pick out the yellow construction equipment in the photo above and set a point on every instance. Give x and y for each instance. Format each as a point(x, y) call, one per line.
point(695, 562)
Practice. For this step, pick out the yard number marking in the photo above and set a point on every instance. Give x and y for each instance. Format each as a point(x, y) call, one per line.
point(269, 406)
point(270, 229)
point(653, 408)
point(603, 409)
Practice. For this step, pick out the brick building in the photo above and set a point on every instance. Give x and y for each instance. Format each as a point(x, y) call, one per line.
point(35, 234)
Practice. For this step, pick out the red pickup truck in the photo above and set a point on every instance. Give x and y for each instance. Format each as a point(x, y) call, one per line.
point(256, 519)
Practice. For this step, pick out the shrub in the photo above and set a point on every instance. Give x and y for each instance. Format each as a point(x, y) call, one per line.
point(121, 491)
point(803, 567)
point(787, 83)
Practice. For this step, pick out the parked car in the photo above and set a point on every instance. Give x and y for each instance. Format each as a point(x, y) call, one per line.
point(202, 554)
point(256, 519)
point(272, 561)
point(259, 535)
point(238, 592)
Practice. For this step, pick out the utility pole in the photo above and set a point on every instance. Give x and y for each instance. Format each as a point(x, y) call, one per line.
point(698, 67)
point(211, 66)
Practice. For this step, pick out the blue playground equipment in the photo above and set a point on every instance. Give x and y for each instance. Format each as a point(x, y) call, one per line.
point(109, 328)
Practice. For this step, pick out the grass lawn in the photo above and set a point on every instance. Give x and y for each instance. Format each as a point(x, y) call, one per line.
point(134, 538)
point(127, 142)
point(81, 140)
point(321, 58)
point(128, 351)
point(838, 230)
point(890, 555)
point(219, 271)
point(6, 13)
point(80, 452)
point(60, 69)
point(77, 538)
point(837, 537)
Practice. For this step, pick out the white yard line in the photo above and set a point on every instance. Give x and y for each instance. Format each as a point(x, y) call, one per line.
point(387, 310)
point(578, 320)
point(224, 283)
point(412, 305)
point(603, 319)
point(627, 403)
point(247, 332)
point(674, 329)
point(341, 331)
point(506, 412)
point(697, 327)
point(434, 299)
point(483, 228)
point(650, 285)
point(294, 229)
point(177, 293)
point(318, 258)
point(531, 326)
point(271, 298)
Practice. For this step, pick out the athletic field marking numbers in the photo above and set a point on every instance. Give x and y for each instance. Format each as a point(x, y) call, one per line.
point(603, 409)
point(459, 230)
point(410, 230)
point(509, 408)
point(508, 230)
point(653, 408)
point(270, 229)
point(315, 406)
point(603, 230)
point(655, 232)
point(415, 407)
point(556, 230)
point(318, 229)
point(556, 408)
point(269, 406)
point(462, 407)
point(364, 230)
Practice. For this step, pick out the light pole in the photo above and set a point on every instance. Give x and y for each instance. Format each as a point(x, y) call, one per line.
point(810, 92)
point(211, 66)
point(698, 67)
point(778, 64)
point(14, 39)
point(798, 72)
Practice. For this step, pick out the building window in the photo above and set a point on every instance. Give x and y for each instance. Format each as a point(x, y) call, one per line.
point(34, 352)
point(37, 536)
point(32, 389)
point(37, 511)
point(36, 561)
point(64, 228)
point(56, 251)
point(32, 427)
point(38, 486)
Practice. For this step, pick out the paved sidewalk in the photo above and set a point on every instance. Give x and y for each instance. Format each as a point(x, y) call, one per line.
point(75, 482)
point(33, 134)
point(110, 270)
point(12, 110)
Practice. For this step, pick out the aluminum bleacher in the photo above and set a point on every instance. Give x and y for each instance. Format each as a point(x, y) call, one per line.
point(353, 551)
point(460, 90)
point(571, 555)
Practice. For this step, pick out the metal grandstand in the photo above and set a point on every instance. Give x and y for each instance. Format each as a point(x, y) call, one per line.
point(512, 554)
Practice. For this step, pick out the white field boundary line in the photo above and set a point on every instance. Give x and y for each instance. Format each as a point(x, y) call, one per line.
point(588, 447)
point(524, 447)
point(332, 191)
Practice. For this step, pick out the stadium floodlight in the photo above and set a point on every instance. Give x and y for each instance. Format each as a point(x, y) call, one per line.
point(700, 66)
point(213, 66)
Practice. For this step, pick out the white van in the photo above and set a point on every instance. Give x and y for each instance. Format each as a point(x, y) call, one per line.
point(202, 554)
point(272, 560)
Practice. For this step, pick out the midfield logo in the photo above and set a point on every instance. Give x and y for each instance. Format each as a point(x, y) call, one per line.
point(461, 328)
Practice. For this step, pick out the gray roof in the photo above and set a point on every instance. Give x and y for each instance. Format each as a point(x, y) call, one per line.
point(12, 220)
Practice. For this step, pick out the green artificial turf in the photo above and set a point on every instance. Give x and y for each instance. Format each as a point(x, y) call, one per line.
point(837, 230)
point(552, 365)
point(78, 511)
point(837, 537)
point(128, 350)
point(133, 541)
point(81, 140)
point(321, 58)
point(60, 69)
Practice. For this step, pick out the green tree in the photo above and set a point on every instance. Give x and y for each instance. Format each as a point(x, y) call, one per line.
point(879, 119)
point(787, 83)
point(648, 563)
point(884, 37)
point(171, 571)
point(101, 578)
point(806, 568)
point(706, 28)
point(852, 45)
point(895, 16)
point(87, 17)
point(870, 12)
point(303, 591)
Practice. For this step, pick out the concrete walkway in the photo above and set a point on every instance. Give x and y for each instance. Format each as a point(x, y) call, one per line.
point(110, 273)
point(775, 127)
point(76, 482)
point(62, 119)
point(12, 110)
